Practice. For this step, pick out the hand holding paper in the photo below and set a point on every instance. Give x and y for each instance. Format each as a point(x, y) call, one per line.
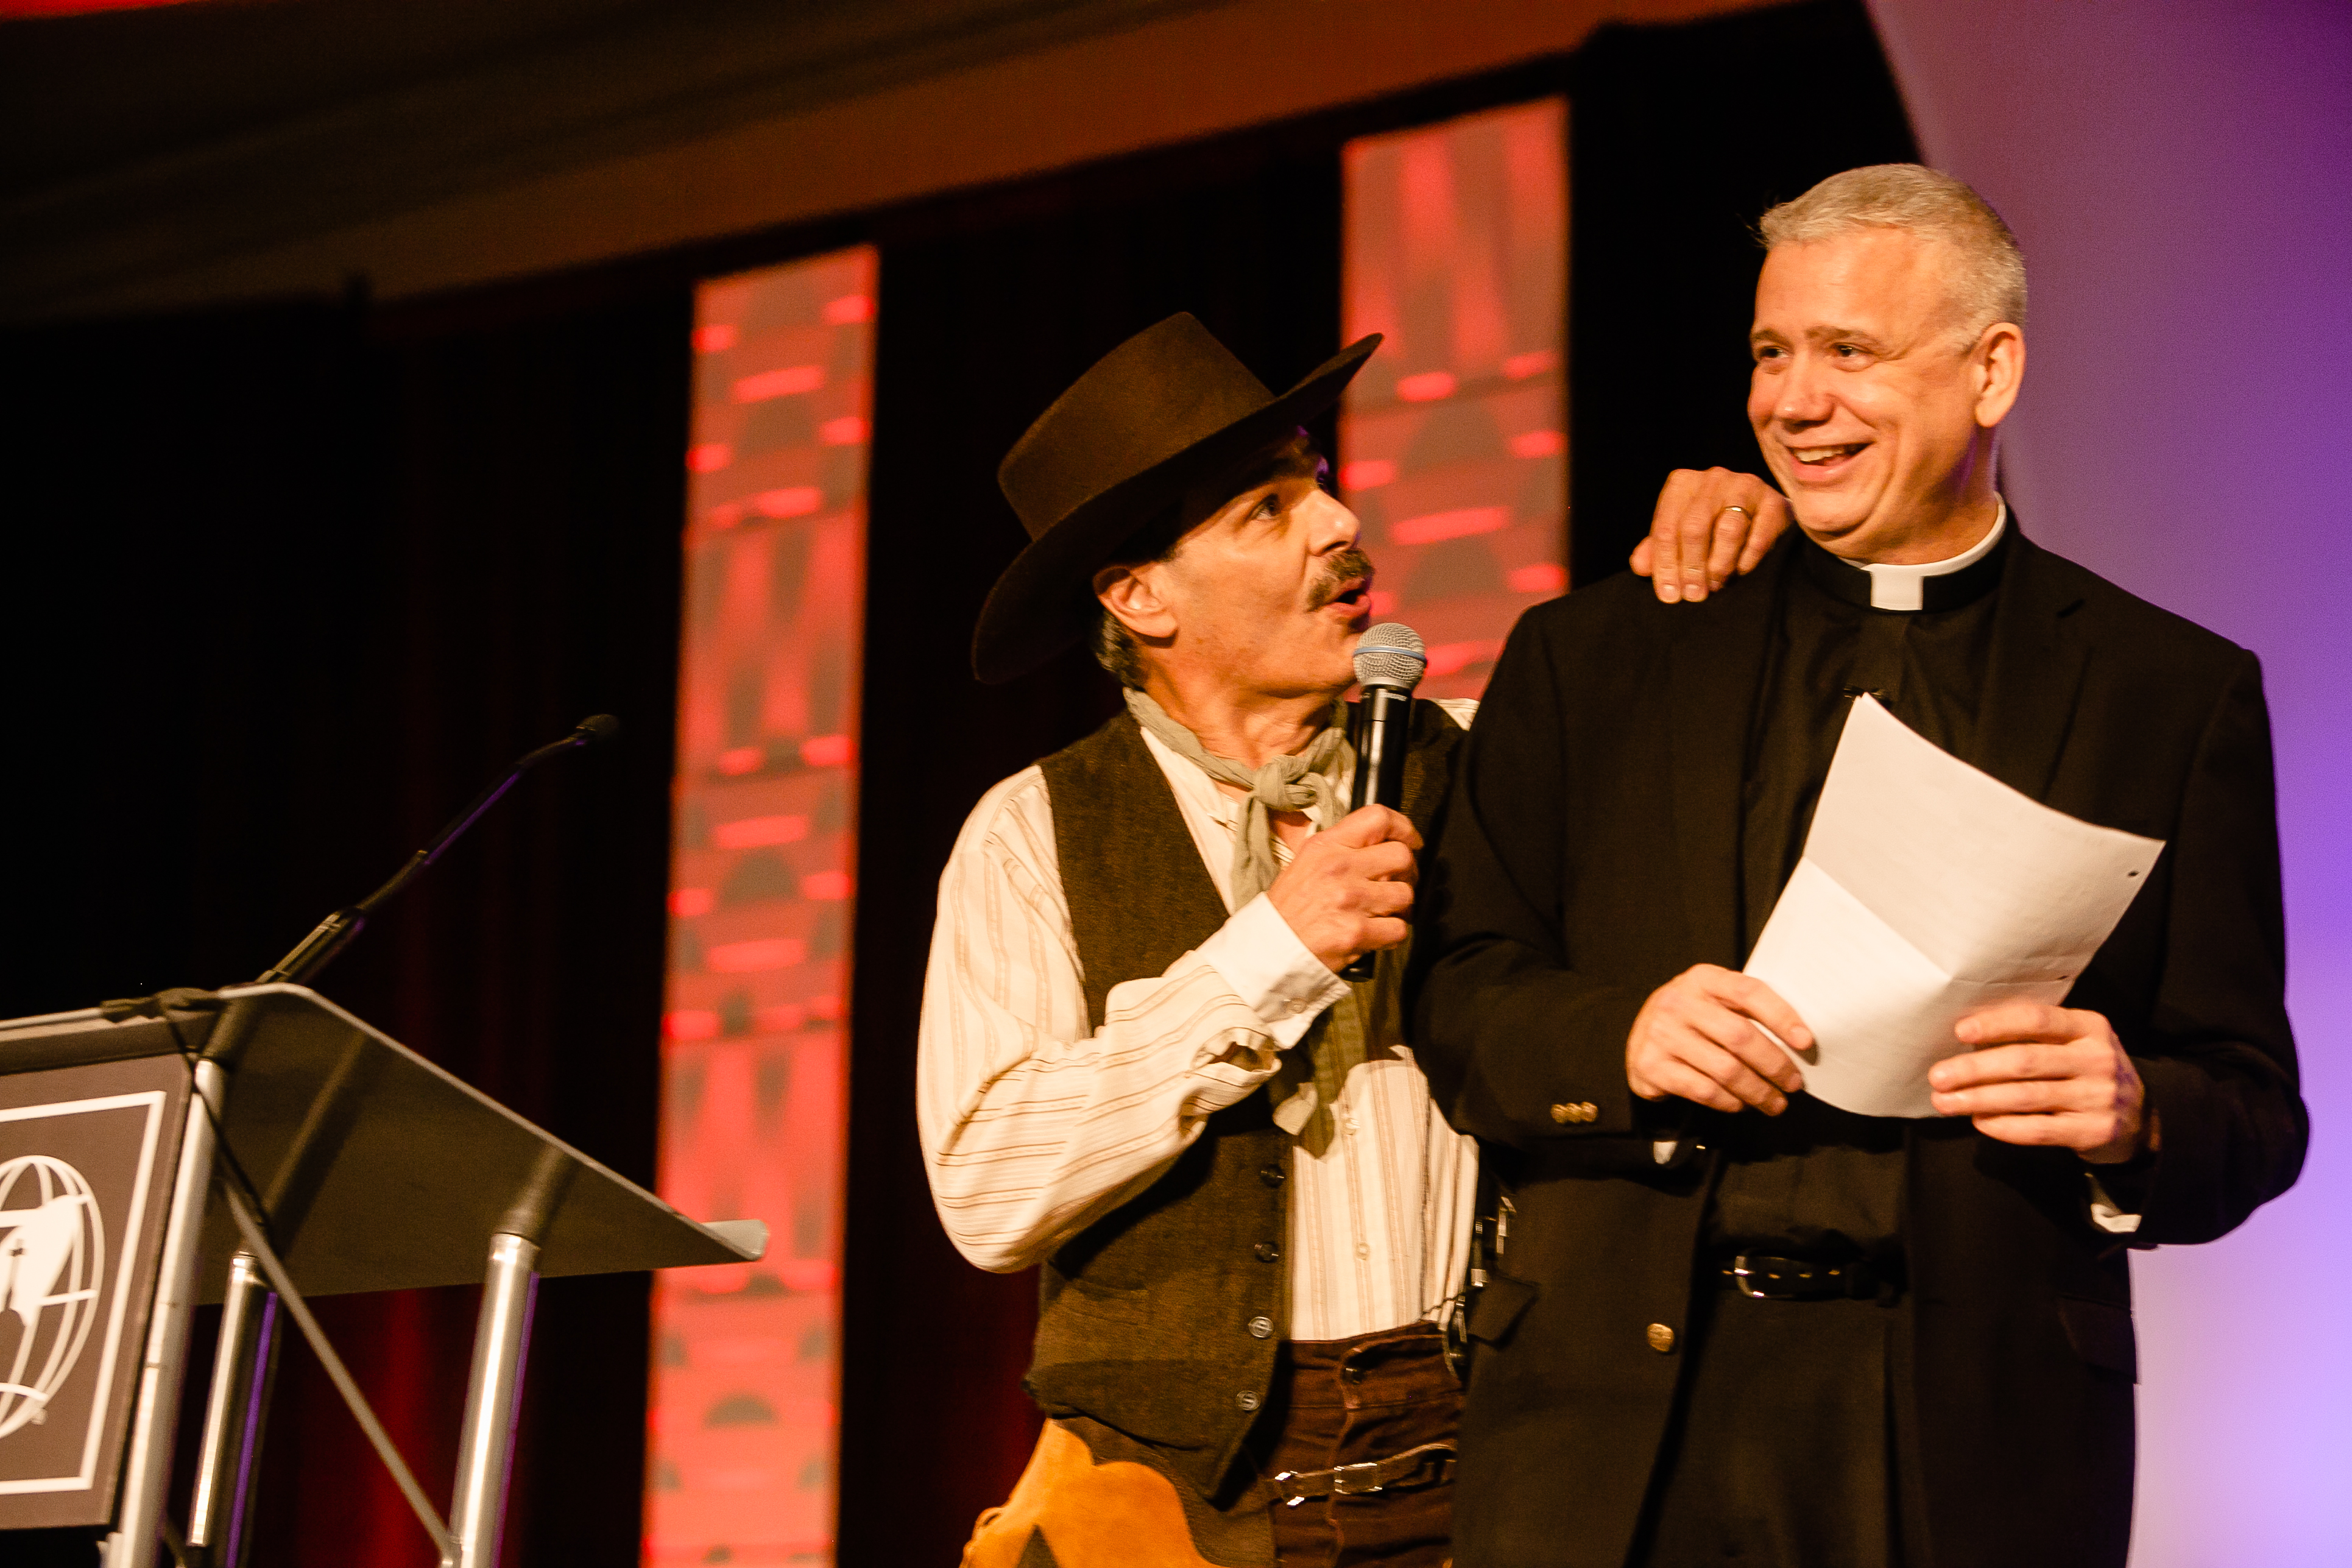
point(1702, 1036)
point(1928, 891)
point(2055, 1077)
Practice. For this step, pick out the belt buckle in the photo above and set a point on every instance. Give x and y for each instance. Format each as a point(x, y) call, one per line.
point(1800, 1287)
point(1741, 1275)
point(1296, 1487)
point(1362, 1480)
point(1811, 1282)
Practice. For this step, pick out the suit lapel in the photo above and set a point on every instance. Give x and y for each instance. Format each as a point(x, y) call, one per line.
point(1714, 663)
point(2035, 676)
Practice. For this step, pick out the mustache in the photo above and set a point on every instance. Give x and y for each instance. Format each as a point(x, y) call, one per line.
point(1350, 565)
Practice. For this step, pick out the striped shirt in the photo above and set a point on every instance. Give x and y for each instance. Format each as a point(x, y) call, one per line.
point(1033, 1127)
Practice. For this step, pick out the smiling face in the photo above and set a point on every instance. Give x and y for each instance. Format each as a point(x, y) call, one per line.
point(1874, 408)
point(1262, 599)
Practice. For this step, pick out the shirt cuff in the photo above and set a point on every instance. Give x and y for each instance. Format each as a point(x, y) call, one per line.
point(1271, 971)
point(2106, 1215)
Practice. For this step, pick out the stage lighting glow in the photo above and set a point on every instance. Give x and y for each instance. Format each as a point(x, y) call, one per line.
point(746, 1374)
point(1456, 250)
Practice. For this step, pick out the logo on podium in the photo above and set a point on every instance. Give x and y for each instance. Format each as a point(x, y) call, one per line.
point(84, 1163)
point(52, 1263)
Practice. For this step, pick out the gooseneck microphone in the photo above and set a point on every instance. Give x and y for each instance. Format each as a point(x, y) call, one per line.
point(330, 937)
point(1390, 660)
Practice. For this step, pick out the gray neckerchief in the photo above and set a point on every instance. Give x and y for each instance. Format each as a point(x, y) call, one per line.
point(1307, 1082)
point(1307, 781)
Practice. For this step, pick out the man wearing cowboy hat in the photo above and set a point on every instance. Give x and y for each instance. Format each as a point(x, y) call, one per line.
point(1144, 930)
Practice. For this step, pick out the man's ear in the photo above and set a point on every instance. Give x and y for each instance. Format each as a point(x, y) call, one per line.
point(1999, 367)
point(1135, 596)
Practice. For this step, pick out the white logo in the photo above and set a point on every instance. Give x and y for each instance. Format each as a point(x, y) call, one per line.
point(52, 1257)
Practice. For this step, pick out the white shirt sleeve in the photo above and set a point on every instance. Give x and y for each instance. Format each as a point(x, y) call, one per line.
point(1266, 964)
point(1032, 1124)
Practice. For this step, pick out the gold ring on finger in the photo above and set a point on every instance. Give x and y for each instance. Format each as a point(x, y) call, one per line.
point(1740, 510)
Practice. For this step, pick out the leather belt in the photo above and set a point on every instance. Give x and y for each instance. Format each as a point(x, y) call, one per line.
point(1295, 1487)
point(1765, 1279)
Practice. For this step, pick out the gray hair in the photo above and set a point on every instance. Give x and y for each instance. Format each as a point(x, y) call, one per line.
point(1116, 651)
point(1114, 646)
point(1988, 273)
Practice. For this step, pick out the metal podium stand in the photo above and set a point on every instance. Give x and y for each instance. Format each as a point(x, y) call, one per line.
point(344, 1161)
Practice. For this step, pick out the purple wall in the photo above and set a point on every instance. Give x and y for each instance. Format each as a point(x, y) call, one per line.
point(2180, 174)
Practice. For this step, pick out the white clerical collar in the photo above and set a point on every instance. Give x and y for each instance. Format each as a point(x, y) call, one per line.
point(1900, 587)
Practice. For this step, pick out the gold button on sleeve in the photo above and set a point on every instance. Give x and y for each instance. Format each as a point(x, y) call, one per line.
point(1563, 1114)
point(1660, 1338)
point(1586, 1111)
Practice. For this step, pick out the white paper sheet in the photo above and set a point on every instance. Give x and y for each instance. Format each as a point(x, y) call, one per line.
point(1927, 889)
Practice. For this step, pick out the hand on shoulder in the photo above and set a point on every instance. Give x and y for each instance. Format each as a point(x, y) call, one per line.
point(1708, 525)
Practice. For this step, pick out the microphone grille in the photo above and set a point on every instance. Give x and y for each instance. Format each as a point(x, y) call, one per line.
point(1390, 654)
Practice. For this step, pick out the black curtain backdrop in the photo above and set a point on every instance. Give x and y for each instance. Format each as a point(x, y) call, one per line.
point(1678, 140)
point(291, 581)
point(288, 588)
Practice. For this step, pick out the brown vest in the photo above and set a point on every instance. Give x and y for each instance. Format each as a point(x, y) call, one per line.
point(1162, 1317)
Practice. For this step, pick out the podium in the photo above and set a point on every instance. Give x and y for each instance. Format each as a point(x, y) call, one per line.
point(254, 1147)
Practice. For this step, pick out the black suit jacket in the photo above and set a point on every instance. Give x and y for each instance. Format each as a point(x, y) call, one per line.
point(1589, 853)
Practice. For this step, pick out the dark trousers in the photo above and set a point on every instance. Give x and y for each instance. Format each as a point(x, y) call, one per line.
point(1346, 1401)
point(1790, 1446)
point(1094, 1498)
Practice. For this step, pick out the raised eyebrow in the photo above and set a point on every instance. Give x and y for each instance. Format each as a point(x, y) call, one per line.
point(1823, 335)
point(1266, 489)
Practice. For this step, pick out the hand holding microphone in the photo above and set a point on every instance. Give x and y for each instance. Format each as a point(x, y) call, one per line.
point(1389, 662)
point(1346, 892)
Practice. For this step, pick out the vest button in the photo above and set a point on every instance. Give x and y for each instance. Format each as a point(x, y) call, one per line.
point(1272, 1176)
point(1660, 1338)
point(1247, 1401)
point(1266, 1251)
point(1261, 1326)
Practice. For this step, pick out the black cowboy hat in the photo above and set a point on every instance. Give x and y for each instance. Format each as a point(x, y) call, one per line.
point(1166, 409)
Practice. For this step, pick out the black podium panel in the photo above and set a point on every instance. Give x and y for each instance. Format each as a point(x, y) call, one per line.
point(381, 1171)
point(363, 1166)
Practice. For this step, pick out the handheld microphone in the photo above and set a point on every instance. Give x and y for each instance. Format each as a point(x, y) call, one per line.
point(334, 933)
point(1390, 660)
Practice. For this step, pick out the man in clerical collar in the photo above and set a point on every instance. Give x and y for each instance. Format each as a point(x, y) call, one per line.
point(1729, 1320)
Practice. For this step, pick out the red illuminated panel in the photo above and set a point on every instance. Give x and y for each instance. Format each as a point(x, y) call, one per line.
point(746, 1374)
point(18, 8)
point(1453, 438)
